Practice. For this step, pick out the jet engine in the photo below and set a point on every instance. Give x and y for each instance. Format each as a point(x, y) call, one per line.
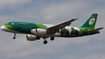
point(39, 31)
point(31, 37)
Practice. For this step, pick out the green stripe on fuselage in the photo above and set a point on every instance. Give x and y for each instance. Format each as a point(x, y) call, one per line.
point(10, 27)
point(88, 28)
point(40, 25)
point(82, 29)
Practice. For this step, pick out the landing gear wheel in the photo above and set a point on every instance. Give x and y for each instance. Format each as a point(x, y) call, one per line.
point(52, 38)
point(14, 37)
point(45, 42)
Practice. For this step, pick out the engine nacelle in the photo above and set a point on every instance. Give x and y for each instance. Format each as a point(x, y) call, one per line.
point(31, 37)
point(39, 31)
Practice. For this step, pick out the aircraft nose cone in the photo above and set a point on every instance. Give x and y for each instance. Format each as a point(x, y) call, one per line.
point(3, 27)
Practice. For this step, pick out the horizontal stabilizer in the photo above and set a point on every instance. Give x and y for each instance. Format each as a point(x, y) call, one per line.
point(96, 29)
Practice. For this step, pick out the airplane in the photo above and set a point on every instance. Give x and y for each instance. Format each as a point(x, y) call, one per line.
point(35, 31)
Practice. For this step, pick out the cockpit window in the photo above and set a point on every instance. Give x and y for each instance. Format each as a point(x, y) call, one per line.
point(7, 24)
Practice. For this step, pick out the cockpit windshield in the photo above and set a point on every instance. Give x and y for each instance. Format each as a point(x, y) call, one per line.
point(7, 24)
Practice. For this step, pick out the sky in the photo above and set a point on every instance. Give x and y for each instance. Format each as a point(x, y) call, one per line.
point(52, 12)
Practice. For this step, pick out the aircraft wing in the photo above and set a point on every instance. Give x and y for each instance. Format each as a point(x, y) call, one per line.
point(54, 29)
point(96, 29)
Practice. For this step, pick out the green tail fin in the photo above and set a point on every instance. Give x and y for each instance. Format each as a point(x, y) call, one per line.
point(90, 23)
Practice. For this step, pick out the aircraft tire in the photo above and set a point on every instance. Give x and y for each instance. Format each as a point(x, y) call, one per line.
point(14, 37)
point(45, 42)
point(52, 38)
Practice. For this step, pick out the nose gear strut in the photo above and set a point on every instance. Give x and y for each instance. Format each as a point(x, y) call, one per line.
point(14, 36)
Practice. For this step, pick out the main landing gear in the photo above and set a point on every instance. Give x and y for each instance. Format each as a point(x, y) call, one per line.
point(52, 38)
point(14, 36)
point(45, 41)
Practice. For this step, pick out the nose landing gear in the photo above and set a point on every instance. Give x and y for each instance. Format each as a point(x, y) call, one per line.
point(14, 36)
